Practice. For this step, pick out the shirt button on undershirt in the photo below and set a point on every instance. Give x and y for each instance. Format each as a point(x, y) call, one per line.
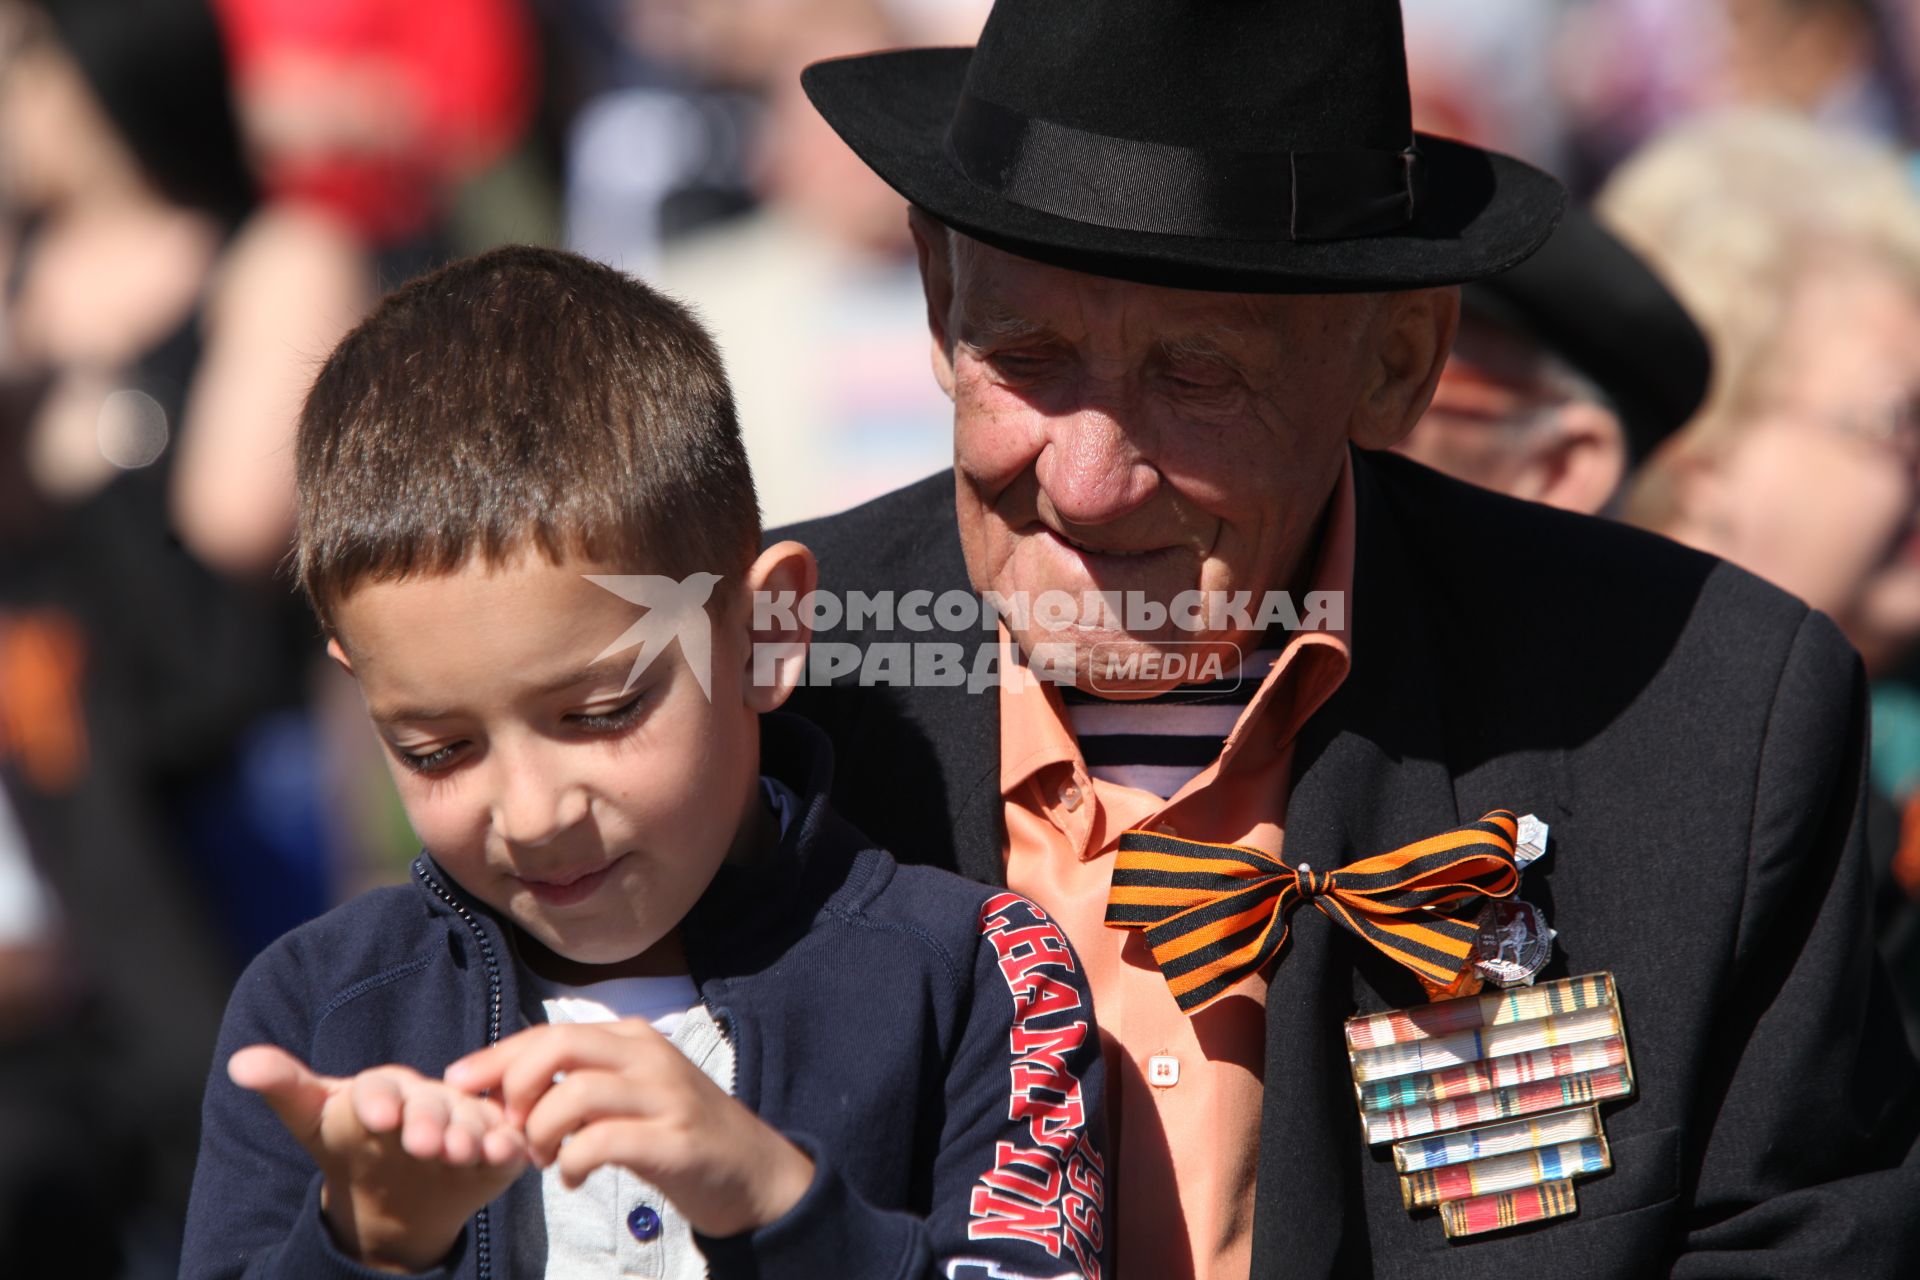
point(1070, 797)
point(644, 1223)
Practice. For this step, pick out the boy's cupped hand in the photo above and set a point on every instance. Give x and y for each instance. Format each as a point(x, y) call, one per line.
point(621, 1093)
point(405, 1159)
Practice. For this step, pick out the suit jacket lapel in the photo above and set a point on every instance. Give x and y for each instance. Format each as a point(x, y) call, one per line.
point(1370, 773)
point(968, 737)
point(969, 749)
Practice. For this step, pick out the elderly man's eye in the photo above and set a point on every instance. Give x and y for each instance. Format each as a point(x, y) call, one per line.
point(1205, 381)
point(1023, 364)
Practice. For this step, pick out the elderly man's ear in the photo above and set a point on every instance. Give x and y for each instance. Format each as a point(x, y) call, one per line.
point(936, 278)
point(1413, 333)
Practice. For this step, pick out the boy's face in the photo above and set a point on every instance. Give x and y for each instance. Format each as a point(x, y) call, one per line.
point(590, 812)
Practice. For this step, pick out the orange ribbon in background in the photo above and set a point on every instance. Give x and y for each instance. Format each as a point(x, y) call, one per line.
point(1214, 913)
point(42, 718)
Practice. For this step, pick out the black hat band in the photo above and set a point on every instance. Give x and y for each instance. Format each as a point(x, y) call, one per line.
point(1129, 185)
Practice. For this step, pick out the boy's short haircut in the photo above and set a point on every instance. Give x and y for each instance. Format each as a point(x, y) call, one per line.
point(525, 399)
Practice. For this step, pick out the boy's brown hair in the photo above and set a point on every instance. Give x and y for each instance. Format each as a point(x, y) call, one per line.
point(525, 399)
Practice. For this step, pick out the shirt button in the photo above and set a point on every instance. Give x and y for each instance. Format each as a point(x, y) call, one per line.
point(644, 1223)
point(1070, 797)
point(1163, 1071)
point(1166, 828)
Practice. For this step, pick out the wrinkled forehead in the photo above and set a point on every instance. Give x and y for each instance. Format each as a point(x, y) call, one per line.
point(1000, 295)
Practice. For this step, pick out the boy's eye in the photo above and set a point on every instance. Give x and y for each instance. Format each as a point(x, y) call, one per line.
point(429, 762)
point(607, 721)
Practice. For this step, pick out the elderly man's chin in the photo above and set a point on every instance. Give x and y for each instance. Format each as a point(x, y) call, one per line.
point(1122, 635)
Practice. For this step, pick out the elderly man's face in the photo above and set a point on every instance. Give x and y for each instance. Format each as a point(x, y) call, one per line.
point(1117, 437)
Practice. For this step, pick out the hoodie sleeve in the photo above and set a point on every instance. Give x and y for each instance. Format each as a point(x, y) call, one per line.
point(1019, 1179)
point(255, 1207)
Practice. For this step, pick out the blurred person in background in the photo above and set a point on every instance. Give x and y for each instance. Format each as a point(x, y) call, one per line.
point(126, 665)
point(361, 117)
point(1830, 60)
point(367, 121)
point(664, 145)
point(1567, 371)
point(1484, 70)
point(814, 295)
point(158, 327)
point(1798, 250)
point(156, 318)
point(373, 110)
point(1625, 70)
point(674, 96)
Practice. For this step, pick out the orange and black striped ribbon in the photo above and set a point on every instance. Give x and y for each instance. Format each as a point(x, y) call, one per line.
point(1214, 913)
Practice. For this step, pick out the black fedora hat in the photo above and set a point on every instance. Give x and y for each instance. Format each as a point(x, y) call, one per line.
point(1596, 304)
point(1245, 145)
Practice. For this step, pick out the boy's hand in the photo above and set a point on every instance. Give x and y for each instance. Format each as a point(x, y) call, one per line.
point(406, 1160)
point(630, 1098)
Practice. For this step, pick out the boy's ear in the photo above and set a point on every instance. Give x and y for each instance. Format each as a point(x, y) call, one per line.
point(777, 633)
point(338, 654)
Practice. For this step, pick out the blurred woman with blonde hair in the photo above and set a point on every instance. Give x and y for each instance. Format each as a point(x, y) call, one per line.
point(1798, 251)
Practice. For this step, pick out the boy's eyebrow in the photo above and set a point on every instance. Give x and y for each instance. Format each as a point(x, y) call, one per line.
point(616, 666)
point(611, 668)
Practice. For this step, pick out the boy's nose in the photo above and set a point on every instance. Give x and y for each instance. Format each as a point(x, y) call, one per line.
point(532, 806)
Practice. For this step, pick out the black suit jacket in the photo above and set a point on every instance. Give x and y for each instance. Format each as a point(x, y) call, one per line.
point(1694, 737)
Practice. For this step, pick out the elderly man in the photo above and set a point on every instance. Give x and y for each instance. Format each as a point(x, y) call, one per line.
point(1180, 260)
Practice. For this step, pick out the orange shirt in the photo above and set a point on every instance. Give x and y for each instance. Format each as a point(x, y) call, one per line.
point(1182, 1150)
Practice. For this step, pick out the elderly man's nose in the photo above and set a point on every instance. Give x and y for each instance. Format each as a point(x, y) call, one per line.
point(1092, 470)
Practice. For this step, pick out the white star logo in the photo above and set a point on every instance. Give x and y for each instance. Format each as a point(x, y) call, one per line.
point(675, 609)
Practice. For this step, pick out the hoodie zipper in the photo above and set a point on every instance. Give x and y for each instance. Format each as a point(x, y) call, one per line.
point(482, 1232)
point(730, 1032)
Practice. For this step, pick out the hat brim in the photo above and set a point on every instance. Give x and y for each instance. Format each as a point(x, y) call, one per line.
point(1481, 212)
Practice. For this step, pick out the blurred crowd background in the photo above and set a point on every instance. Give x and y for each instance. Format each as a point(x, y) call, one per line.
point(198, 197)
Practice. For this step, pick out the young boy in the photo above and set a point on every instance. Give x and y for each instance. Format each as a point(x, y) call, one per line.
point(639, 953)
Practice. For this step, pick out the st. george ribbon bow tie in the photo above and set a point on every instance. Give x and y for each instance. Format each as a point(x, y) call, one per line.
point(1214, 913)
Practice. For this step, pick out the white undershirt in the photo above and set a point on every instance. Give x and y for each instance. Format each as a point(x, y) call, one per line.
point(661, 1001)
point(587, 1231)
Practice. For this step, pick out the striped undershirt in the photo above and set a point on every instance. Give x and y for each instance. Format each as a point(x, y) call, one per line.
point(1159, 744)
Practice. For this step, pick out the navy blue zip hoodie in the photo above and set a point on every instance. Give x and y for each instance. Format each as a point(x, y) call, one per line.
point(927, 1040)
